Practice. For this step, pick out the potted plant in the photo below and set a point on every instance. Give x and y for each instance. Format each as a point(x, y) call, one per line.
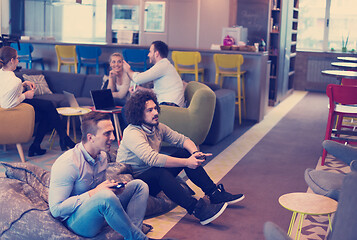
point(344, 43)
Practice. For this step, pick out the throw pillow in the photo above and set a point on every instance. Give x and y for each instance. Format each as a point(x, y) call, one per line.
point(40, 82)
point(33, 175)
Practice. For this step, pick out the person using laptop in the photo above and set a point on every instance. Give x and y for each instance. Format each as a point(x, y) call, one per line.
point(118, 79)
point(168, 85)
point(140, 148)
point(12, 94)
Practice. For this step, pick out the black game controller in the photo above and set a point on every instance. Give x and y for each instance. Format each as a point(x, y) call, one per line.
point(118, 186)
point(202, 157)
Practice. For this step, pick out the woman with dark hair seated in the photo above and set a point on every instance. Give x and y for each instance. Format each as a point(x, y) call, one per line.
point(12, 94)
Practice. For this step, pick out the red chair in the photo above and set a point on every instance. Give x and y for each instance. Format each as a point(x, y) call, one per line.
point(341, 101)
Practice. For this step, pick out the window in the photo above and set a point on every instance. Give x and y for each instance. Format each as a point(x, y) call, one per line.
point(64, 20)
point(327, 24)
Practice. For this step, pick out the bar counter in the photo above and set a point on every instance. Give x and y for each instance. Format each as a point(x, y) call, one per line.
point(255, 63)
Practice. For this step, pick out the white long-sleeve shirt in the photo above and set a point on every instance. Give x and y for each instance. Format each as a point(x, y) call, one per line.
point(168, 85)
point(10, 89)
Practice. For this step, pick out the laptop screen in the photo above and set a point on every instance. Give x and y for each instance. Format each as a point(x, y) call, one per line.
point(102, 99)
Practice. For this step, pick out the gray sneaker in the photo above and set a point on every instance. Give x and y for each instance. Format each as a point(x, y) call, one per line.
point(207, 212)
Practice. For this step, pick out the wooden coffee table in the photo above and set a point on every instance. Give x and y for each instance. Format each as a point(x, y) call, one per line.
point(307, 204)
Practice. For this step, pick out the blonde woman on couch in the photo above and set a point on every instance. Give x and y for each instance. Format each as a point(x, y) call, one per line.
point(12, 94)
point(118, 80)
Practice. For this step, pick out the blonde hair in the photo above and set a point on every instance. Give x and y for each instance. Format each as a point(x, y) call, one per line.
point(116, 54)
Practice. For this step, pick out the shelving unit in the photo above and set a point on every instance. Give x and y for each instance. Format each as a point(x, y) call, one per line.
point(282, 48)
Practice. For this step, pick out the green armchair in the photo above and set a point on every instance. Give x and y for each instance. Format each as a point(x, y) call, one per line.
point(17, 126)
point(195, 120)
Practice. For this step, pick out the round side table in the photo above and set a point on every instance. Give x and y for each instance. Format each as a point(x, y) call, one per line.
point(307, 204)
point(70, 112)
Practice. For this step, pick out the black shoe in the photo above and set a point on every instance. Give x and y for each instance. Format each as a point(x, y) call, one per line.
point(66, 143)
point(36, 150)
point(206, 212)
point(220, 196)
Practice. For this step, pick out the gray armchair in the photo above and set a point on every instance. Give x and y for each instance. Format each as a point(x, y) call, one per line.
point(345, 220)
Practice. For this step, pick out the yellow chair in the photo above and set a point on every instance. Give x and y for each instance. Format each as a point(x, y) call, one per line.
point(228, 65)
point(66, 55)
point(17, 126)
point(187, 62)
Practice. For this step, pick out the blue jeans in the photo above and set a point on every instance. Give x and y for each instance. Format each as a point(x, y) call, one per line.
point(124, 213)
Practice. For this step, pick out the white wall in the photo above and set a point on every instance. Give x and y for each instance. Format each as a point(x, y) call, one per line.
point(214, 15)
point(182, 18)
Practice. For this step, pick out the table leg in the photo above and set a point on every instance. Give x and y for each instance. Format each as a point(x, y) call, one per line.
point(298, 231)
point(291, 223)
point(117, 127)
point(68, 124)
point(329, 221)
point(74, 129)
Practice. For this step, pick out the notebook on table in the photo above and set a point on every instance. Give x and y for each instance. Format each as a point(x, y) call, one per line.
point(103, 100)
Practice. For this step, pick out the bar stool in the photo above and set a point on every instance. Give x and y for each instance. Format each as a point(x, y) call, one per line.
point(228, 65)
point(66, 55)
point(187, 62)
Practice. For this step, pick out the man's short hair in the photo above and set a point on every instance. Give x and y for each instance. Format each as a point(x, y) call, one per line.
point(90, 123)
point(135, 106)
point(162, 48)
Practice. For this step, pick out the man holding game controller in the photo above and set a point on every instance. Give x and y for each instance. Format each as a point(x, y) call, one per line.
point(140, 148)
point(83, 199)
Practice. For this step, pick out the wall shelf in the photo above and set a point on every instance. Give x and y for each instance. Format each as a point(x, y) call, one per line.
point(282, 43)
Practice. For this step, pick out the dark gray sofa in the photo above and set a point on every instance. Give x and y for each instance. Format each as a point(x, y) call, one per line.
point(24, 204)
point(78, 84)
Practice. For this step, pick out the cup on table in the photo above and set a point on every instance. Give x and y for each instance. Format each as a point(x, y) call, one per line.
point(256, 45)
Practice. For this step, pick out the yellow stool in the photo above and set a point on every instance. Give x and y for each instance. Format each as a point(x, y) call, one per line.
point(66, 55)
point(187, 62)
point(228, 65)
point(307, 204)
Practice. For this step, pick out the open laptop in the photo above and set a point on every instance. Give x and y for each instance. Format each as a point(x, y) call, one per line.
point(71, 99)
point(103, 100)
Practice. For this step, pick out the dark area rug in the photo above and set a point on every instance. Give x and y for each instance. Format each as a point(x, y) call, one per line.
point(275, 166)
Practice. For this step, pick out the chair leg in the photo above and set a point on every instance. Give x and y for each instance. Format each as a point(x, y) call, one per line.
point(59, 67)
point(79, 68)
point(243, 95)
point(328, 132)
point(196, 77)
point(97, 69)
point(239, 99)
point(21, 152)
point(30, 64)
point(42, 65)
point(202, 76)
point(75, 68)
point(217, 78)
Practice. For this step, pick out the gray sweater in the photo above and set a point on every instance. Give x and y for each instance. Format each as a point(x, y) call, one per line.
point(140, 148)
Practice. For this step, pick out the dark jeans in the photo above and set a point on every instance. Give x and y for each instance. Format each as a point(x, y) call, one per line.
point(160, 178)
point(47, 118)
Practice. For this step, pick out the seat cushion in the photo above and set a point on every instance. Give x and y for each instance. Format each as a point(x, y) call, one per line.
point(324, 183)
